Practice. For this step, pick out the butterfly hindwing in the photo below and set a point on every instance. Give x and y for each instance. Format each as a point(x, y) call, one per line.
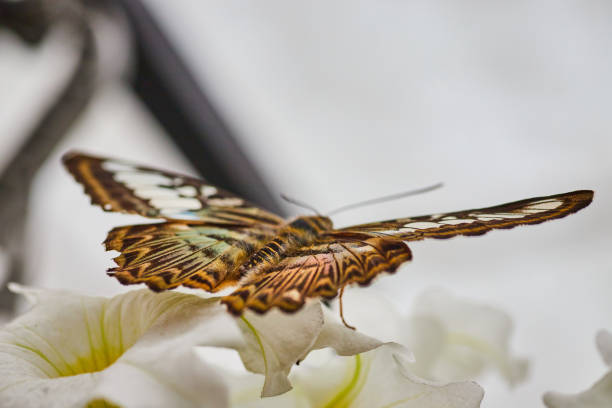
point(479, 221)
point(317, 270)
point(121, 186)
point(169, 254)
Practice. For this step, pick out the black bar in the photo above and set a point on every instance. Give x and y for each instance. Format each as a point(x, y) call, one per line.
point(174, 97)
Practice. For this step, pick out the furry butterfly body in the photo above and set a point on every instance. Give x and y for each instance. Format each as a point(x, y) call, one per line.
point(211, 239)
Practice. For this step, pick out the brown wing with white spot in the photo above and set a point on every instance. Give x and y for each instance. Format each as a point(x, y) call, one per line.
point(478, 221)
point(318, 270)
point(121, 186)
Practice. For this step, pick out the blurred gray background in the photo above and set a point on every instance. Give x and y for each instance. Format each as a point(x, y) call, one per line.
point(337, 102)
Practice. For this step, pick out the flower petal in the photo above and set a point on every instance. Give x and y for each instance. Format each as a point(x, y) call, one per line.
point(345, 341)
point(600, 394)
point(454, 339)
point(71, 349)
point(168, 378)
point(372, 314)
point(381, 378)
point(245, 392)
point(276, 341)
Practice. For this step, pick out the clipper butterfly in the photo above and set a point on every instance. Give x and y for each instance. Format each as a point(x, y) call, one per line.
point(209, 238)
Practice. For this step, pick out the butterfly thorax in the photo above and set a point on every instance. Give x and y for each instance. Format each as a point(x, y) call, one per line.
point(309, 227)
point(297, 233)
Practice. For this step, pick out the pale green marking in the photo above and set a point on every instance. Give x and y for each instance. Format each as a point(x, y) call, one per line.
point(90, 340)
point(474, 343)
point(348, 388)
point(361, 383)
point(120, 329)
point(100, 403)
point(80, 366)
point(105, 347)
point(182, 258)
point(41, 355)
point(23, 359)
point(51, 346)
point(398, 402)
point(14, 384)
point(259, 342)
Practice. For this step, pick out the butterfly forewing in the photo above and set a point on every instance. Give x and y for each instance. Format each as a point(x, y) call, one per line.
point(121, 186)
point(479, 221)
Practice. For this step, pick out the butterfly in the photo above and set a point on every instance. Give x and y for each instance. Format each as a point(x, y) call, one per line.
point(211, 239)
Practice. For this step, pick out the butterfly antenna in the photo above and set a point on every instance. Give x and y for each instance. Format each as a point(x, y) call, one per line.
point(387, 198)
point(299, 203)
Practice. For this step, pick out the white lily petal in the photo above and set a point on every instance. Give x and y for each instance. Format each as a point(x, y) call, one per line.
point(345, 341)
point(245, 392)
point(276, 341)
point(70, 349)
point(372, 314)
point(167, 378)
point(32, 295)
point(427, 337)
point(454, 339)
point(380, 378)
point(600, 394)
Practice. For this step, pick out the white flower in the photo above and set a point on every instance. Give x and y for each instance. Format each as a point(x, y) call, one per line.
point(378, 378)
point(137, 349)
point(452, 339)
point(600, 394)
point(132, 350)
point(276, 341)
point(381, 378)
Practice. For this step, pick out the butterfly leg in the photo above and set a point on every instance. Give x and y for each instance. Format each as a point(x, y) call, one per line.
point(341, 312)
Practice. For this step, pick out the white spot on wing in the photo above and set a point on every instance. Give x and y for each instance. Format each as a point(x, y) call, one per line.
point(114, 166)
point(177, 203)
point(498, 216)
point(134, 179)
point(457, 221)
point(545, 205)
point(391, 232)
point(187, 191)
point(421, 225)
point(406, 230)
point(155, 192)
point(225, 202)
point(208, 191)
point(293, 295)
